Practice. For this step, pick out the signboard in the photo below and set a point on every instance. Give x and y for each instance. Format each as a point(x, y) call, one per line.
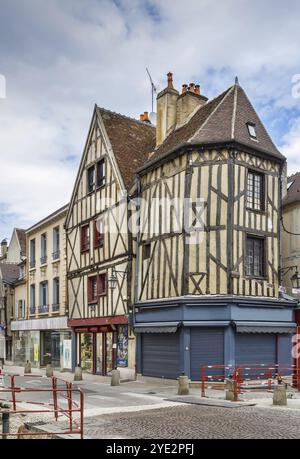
point(36, 353)
point(122, 351)
point(67, 354)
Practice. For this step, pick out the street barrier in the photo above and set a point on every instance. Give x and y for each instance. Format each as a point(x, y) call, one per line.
point(66, 402)
point(248, 378)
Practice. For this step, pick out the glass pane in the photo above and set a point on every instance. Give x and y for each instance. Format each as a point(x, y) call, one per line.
point(86, 349)
point(99, 353)
point(109, 352)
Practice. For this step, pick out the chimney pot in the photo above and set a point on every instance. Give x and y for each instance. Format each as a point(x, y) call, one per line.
point(170, 80)
point(192, 87)
point(184, 88)
point(197, 89)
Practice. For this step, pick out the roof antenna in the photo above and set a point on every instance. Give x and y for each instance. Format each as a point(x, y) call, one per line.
point(237, 81)
point(153, 92)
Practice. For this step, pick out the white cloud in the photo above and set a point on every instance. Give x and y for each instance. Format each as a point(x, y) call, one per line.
point(61, 57)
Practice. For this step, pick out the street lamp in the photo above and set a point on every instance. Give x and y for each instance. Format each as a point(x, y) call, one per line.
point(113, 280)
point(296, 280)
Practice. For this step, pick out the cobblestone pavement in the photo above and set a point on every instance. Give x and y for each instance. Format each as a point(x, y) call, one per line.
point(197, 422)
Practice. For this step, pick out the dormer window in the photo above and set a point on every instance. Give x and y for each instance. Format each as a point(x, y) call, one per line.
point(252, 130)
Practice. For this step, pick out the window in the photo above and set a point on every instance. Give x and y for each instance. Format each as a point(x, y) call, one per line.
point(255, 191)
point(252, 130)
point(146, 251)
point(20, 309)
point(32, 299)
point(100, 173)
point(96, 287)
point(98, 234)
point(43, 248)
point(56, 298)
point(91, 179)
point(85, 238)
point(255, 257)
point(32, 253)
point(101, 288)
point(56, 244)
point(92, 290)
point(43, 297)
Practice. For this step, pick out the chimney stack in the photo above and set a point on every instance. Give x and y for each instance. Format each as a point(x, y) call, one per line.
point(174, 109)
point(4, 248)
point(144, 118)
point(166, 111)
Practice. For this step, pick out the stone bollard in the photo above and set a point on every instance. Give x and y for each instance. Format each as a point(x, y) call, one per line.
point(115, 378)
point(279, 395)
point(229, 395)
point(78, 374)
point(183, 385)
point(5, 424)
point(27, 369)
point(49, 371)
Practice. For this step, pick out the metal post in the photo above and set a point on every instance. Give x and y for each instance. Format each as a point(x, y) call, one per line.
point(203, 382)
point(81, 413)
point(13, 392)
point(54, 389)
point(5, 424)
point(70, 404)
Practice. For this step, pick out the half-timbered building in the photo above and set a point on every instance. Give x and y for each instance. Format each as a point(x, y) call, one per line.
point(208, 266)
point(100, 251)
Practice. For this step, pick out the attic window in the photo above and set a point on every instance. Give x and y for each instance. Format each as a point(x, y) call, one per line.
point(252, 130)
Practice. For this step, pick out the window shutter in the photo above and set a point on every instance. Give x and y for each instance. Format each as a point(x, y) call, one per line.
point(90, 290)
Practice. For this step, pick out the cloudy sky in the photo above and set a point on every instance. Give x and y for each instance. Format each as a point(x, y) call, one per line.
point(60, 57)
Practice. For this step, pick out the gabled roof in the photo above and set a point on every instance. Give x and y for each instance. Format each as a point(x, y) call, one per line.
point(21, 235)
point(132, 141)
point(10, 272)
point(58, 213)
point(222, 120)
point(293, 192)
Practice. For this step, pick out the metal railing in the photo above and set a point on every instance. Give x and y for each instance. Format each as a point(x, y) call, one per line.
point(44, 309)
point(63, 404)
point(56, 255)
point(55, 307)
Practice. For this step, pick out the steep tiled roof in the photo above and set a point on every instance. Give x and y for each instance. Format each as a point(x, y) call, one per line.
point(224, 119)
point(22, 239)
point(131, 141)
point(10, 272)
point(293, 193)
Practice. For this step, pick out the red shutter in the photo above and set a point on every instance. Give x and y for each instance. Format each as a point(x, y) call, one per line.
point(101, 284)
point(90, 290)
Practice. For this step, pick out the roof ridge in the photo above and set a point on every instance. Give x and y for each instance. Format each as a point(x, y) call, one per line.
point(290, 177)
point(233, 121)
point(126, 116)
point(225, 94)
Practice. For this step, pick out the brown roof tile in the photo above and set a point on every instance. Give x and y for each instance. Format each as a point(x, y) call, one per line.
point(224, 119)
point(10, 272)
point(132, 142)
point(293, 193)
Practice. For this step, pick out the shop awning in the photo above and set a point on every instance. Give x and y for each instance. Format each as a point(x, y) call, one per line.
point(266, 327)
point(159, 327)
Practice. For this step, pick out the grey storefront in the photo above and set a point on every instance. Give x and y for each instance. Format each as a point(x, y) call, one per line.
point(211, 331)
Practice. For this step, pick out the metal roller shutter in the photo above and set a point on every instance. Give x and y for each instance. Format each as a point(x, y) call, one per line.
point(285, 359)
point(255, 349)
point(207, 348)
point(161, 355)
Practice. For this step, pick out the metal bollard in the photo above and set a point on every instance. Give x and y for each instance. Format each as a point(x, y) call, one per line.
point(5, 424)
point(78, 374)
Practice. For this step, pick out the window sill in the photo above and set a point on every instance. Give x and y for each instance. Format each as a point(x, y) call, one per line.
point(256, 278)
point(100, 186)
point(84, 250)
point(255, 211)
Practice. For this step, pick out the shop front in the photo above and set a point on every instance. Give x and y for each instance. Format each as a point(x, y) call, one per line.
point(42, 342)
point(101, 344)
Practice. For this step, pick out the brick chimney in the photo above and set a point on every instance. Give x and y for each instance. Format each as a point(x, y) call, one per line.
point(4, 248)
point(144, 118)
point(189, 100)
point(166, 111)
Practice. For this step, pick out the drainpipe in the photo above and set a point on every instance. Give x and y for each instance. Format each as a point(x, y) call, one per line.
point(280, 224)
